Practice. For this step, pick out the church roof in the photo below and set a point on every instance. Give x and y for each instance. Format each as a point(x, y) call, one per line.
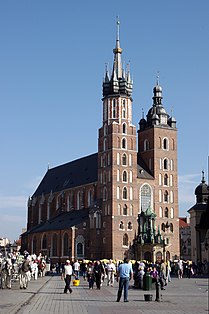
point(142, 171)
point(62, 221)
point(75, 173)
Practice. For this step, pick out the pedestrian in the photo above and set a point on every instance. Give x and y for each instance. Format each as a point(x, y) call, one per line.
point(76, 269)
point(23, 273)
point(125, 274)
point(90, 275)
point(66, 275)
point(98, 272)
point(110, 273)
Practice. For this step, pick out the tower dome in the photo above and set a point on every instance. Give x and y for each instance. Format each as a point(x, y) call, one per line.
point(202, 191)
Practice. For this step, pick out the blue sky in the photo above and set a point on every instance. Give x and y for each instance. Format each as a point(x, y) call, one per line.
point(52, 61)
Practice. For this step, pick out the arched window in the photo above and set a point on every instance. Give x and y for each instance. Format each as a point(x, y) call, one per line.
point(125, 240)
point(125, 193)
point(171, 227)
point(166, 212)
point(163, 227)
point(114, 109)
point(125, 179)
point(79, 249)
point(125, 210)
point(145, 197)
point(121, 226)
point(54, 245)
point(124, 160)
point(165, 164)
point(166, 179)
point(130, 226)
point(65, 245)
point(165, 143)
point(124, 143)
point(105, 129)
point(124, 128)
point(166, 196)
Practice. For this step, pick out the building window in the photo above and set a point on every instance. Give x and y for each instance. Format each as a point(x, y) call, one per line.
point(166, 213)
point(54, 245)
point(165, 164)
point(125, 210)
point(124, 128)
point(125, 240)
point(104, 194)
point(165, 143)
point(166, 179)
point(146, 145)
point(124, 160)
point(163, 227)
point(145, 197)
point(130, 226)
point(125, 177)
point(105, 144)
point(121, 226)
point(65, 245)
point(124, 109)
point(124, 143)
point(166, 197)
point(171, 227)
point(79, 249)
point(125, 193)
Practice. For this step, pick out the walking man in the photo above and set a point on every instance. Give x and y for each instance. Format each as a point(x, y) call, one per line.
point(66, 275)
point(125, 273)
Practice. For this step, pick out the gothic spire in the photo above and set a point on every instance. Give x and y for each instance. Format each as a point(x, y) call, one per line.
point(117, 65)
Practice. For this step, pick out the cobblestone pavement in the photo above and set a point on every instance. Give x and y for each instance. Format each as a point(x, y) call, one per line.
point(45, 296)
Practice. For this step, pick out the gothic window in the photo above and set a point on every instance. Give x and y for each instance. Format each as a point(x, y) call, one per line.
point(124, 160)
point(125, 177)
point(130, 226)
point(165, 164)
point(105, 129)
point(125, 210)
point(121, 226)
point(125, 240)
point(166, 197)
point(65, 245)
point(163, 227)
point(79, 249)
point(145, 197)
point(166, 212)
point(165, 143)
point(44, 242)
point(114, 109)
point(124, 143)
point(171, 227)
point(125, 193)
point(124, 128)
point(90, 197)
point(166, 179)
point(54, 245)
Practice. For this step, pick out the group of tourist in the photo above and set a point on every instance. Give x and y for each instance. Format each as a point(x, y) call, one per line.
point(22, 268)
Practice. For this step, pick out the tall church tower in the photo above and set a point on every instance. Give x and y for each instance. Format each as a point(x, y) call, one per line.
point(157, 148)
point(117, 160)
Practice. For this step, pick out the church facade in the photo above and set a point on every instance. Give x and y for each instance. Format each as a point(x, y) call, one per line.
point(89, 207)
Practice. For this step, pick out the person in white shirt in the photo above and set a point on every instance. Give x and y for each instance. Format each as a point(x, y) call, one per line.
point(66, 275)
point(111, 269)
point(76, 269)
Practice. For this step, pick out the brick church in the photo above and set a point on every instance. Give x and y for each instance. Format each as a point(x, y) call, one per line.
point(89, 207)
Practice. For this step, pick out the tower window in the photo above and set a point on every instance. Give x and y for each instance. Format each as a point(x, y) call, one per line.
point(124, 160)
point(121, 226)
point(124, 143)
point(166, 196)
point(125, 179)
point(166, 179)
point(165, 143)
point(125, 210)
point(130, 227)
point(124, 108)
point(145, 197)
point(166, 212)
point(124, 128)
point(165, 164)
point(146, 145)
point(125, 240)
point(125, 193)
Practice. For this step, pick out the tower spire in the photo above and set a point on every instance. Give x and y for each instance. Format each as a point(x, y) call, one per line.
point(117, 65)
